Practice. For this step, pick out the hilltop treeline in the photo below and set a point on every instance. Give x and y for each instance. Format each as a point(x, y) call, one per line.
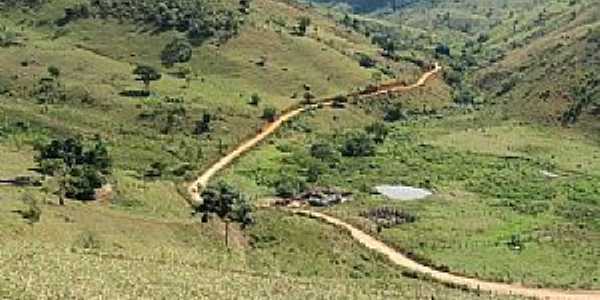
point(199, 19)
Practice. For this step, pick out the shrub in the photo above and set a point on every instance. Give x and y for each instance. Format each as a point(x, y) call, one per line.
point(289, 186)
point(393, 113)
point(378, 131)
point(54, 71)
point(442, 49)
point(464, 96)
point(203, 126)
point(365, 61)
point(88, 240)
point(7, 38)
point(322, 151)
point(83, 182)
point(269, 113)
point(5, 85)
point(255, 99)
point(177, 51)
point(49, 90)
point(33, 212)
point(358, 144)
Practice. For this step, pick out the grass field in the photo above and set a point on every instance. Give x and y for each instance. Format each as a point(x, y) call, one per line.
point(489, 190)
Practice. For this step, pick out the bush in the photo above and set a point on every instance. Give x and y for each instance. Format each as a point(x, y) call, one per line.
point(83, 182)
point(255, 99)
point(269, 113)
point(7, 38)
point(452, 77)
point(322, 151)
point(54, 71)
point(358, 144)
point(365, 61)
point(88, 240)
point(464, 97)
point(33, 212)
point(203, 126)
point(442, 49)
point(49, 90)
point(378, 131)
point(289, 186)
point(393, 113)
point(177, 51)
point(5, 85)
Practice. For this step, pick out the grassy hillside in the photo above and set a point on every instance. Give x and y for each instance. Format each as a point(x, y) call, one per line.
point(513, 189)
point(139, 239)
point(513, 172)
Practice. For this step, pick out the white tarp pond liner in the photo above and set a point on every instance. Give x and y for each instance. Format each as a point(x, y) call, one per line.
point(404, 193)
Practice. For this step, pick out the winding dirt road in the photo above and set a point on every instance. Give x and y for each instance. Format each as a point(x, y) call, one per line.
point(473, 284)
point(195, 188)
point(368, 241)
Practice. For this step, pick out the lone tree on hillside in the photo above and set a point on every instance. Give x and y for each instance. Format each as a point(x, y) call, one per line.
point(147, 74)
point(227, 203)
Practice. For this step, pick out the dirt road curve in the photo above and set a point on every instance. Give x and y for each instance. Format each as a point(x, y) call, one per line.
point(368, 241)
point(473, 284)
point(195, 188)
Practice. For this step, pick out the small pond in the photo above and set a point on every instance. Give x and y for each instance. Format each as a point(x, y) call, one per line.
point(403, 193)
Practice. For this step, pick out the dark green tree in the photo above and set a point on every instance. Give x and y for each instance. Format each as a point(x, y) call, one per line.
point(358, 144)
point(179, 50)
point(269, 113)
point(146, 74)
point(226, 202)
point(54, 71)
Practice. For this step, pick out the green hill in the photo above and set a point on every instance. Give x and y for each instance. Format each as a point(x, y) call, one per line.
point(67, 72)
point(138, 97)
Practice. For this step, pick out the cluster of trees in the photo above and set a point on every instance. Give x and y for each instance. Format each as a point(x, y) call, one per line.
point(199, 19)
point(80, 169)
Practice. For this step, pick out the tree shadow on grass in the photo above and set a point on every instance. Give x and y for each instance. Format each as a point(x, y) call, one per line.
point(135, 93)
